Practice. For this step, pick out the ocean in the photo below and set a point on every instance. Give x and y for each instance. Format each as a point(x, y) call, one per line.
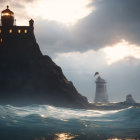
point(44, 122)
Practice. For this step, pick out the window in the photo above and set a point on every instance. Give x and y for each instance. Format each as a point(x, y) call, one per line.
point(19, 31)
point(1, 40)
point(25, 31)
point(10, 31)
point(5, 14)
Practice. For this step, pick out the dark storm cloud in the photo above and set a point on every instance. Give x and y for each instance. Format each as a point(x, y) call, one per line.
point(54, 37)
point(112, 21)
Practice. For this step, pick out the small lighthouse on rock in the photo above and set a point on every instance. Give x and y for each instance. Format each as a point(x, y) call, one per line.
point(101, 90)
point(11, 33)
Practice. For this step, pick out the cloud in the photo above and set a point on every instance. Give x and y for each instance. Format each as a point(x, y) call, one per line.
point(120, 51)
point(80, 68)
point(64, 11)
point(111, 22)
point(18, 7)
point(122, 77)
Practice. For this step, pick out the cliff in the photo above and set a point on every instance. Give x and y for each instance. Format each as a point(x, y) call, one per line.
point(28, 77)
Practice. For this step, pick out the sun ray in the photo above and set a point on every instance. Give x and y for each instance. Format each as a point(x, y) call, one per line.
point(121, 51)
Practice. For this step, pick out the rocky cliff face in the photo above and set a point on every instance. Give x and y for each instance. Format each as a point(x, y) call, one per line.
point(28, 77)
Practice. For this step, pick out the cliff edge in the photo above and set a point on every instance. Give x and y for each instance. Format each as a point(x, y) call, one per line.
point(28, 77)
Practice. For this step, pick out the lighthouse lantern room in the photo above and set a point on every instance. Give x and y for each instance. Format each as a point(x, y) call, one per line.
point(7, 17)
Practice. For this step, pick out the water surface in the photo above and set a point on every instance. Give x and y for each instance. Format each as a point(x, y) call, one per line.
point(44, 122)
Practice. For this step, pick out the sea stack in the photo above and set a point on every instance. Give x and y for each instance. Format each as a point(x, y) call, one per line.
point(101, 91)
point(129, 99)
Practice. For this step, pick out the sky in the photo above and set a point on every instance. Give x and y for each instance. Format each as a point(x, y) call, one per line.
point(85, 36)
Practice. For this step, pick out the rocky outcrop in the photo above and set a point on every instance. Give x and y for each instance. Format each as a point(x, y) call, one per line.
point(129, 99)
point(28, 77)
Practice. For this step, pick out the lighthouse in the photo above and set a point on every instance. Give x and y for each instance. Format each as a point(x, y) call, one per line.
point(11, 33)
point(101, 91)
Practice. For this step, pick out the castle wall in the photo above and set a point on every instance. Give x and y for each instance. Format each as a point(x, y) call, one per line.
point(18, 41)
point(15, 34)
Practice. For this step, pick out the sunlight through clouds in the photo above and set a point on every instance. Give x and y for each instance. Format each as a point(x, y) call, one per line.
point(63, 11)
point(121, 51)
point(102, 57)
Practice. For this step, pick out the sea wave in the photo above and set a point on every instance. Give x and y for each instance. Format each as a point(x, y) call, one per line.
point(36, 122)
